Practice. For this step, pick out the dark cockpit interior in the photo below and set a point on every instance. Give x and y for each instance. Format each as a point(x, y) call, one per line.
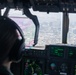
point(55, 59)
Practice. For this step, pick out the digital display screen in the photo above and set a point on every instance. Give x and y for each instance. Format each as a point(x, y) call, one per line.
point(57, 51)
point(33, 67)
point(72, 52)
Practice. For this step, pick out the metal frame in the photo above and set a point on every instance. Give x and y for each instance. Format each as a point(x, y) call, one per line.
point(0, 12)
point(65, 27)
point(7, 11)
point(36, 22)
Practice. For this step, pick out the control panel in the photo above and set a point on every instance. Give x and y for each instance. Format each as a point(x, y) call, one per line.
point(34, 67)
point(34, 62)
point(54, 60)
point(54, 5)
point(61, 60)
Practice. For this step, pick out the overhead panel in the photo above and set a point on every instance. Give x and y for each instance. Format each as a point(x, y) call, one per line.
point(42, 5)
point(45, 5)
point(54, 5)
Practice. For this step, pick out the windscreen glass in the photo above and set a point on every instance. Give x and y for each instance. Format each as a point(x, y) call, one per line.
point(50, 27)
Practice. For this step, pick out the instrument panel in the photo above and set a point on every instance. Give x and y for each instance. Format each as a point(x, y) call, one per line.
point(34, 67)
point(56, 51)
point(72, 53)
point(54, 60)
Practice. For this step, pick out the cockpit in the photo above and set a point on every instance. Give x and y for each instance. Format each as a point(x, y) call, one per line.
point(50, 33)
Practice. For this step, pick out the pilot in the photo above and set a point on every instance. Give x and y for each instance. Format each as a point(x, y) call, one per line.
point(11, 44)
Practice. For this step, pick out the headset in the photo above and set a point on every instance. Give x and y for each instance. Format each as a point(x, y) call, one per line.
point(16, 52)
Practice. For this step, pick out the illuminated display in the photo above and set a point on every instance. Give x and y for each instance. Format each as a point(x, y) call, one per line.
point(33, 67)
point(74, 69)
point(72, 53)
point(57, 52)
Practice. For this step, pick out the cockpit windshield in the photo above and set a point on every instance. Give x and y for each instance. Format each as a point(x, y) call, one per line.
point(50, 31)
